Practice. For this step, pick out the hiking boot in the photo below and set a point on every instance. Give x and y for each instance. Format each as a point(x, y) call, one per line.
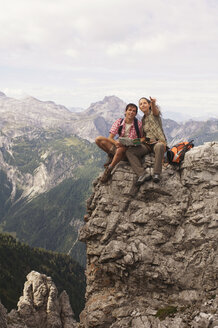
point(106, 175)
point(86, 217)
point(109, 160)
point(142, 178)
point(156, 178)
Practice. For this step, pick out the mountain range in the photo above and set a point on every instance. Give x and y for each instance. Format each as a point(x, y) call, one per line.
point(183, 117)
point(48, 160)
point(30, 113)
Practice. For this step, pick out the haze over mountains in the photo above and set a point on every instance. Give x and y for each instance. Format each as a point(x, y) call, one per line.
point(182, 117)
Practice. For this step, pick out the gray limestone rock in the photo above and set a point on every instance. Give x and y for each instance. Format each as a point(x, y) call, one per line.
point(3, 316)
point(41, 307)
point(152, 258)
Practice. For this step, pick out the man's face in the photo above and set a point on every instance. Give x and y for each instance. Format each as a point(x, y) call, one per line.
point(131, 112)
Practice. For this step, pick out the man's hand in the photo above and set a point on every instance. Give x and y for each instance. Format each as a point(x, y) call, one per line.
point(118, 144)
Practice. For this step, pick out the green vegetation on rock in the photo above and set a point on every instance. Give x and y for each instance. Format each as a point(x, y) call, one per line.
point(168, 311)
point(5, 192)
point(50, 219)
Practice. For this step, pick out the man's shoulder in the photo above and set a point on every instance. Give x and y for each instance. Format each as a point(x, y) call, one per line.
point(119, 121)
point(115, 126)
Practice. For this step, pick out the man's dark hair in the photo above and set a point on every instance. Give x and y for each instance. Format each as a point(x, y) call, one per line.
point(131, 105)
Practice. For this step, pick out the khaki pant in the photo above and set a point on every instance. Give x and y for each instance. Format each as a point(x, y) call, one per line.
point(135, 154)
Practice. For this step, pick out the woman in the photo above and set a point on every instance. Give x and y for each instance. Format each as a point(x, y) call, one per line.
point(153, 140)
point(125, 128)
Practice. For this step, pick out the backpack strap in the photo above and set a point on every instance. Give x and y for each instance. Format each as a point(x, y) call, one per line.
point(137, 127)
point(120, 127)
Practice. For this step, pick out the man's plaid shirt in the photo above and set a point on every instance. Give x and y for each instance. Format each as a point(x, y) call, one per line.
point(132, 132)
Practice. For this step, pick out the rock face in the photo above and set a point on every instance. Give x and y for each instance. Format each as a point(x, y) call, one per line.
point(40, 306)
point(152, 257)
point(3, 316)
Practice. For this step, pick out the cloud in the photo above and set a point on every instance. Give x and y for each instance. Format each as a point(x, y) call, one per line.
point(98, 46)
point(109, 27)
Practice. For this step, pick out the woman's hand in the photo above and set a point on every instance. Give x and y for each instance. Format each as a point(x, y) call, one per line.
point(154, 107)
point(153, 100)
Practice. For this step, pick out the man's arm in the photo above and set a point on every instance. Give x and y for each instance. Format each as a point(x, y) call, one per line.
point(114, 132)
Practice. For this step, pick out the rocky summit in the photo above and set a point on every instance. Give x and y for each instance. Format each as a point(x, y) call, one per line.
point(152, 257)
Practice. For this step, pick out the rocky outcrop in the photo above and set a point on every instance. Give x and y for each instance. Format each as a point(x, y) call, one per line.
point(152, 257)
point(40, 306)
point(3, 316)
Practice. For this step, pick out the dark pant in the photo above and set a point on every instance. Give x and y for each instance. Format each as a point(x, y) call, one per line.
point(135, 154)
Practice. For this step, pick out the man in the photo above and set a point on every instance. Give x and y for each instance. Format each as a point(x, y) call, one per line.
point(128, 127)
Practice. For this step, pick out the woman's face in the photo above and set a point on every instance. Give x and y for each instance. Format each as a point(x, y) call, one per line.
point(144, 105)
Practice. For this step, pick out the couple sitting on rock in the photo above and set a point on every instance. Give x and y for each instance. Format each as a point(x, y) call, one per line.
point(151, 140)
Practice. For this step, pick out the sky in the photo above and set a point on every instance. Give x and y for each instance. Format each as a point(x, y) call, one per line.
point(77, 52)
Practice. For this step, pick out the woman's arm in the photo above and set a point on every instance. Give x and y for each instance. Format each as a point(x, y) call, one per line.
point(154, 107)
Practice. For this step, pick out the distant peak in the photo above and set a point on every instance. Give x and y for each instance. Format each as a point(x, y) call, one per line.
point(31, 98)
point(108, 98)
point(2, 94)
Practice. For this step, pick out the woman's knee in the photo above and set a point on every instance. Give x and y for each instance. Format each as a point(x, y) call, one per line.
point(160, 146)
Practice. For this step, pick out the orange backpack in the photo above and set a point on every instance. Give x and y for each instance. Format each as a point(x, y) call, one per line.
point(176, 154)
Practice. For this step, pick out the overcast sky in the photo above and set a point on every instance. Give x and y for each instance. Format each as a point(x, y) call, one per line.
point(75, 52)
